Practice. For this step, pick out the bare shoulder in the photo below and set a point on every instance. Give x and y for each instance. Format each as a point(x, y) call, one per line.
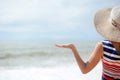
point(99, 44)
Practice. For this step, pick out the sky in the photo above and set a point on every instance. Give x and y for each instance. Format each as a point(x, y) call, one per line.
point(50, 20)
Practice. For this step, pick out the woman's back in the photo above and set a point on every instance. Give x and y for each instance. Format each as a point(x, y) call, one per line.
point(111, 61)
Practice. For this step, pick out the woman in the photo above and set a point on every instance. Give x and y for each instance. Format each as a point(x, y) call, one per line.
point(107, 23)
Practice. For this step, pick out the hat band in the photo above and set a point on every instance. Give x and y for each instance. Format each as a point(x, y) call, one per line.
point(114, 23)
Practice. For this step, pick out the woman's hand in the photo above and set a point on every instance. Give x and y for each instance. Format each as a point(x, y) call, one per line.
point(70, 46)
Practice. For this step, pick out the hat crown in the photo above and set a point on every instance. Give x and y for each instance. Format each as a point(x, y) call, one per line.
point(115, 14)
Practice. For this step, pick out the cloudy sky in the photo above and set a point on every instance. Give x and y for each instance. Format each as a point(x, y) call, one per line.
point(45, 20)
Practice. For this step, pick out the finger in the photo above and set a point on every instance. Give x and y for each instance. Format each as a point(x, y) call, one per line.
point(58, 45)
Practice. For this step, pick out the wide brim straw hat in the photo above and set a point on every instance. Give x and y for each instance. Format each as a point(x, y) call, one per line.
point(107, 23)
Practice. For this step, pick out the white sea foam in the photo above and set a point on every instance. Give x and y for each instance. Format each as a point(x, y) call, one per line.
point(50, 73)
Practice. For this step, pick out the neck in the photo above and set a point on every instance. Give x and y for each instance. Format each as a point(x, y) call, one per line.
point(116, 45)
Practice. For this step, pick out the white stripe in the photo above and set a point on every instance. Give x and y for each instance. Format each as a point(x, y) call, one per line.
point(112, 55)
point(108, 47)
point(115, 77)
point(114, 61)
point(117, 63)
point(107, 42)
point(111, 74)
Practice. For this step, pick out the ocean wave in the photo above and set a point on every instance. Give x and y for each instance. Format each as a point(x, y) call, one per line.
point(30, 54)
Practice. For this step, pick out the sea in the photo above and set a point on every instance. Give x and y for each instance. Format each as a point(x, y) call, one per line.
point(45, 61)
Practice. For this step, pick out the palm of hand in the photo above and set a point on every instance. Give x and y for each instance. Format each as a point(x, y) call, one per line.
point(65, 45)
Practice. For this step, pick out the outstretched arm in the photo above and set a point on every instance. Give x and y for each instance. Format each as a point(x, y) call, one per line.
point(85, 67)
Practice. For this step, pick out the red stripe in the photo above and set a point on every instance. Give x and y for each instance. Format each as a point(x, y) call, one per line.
point(111, 64)
point(111, 68)
point(106, 77)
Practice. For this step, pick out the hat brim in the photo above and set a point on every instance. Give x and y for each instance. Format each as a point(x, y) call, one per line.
point(104, 26)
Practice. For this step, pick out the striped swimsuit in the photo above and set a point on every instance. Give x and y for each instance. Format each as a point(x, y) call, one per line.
point(110, 61)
